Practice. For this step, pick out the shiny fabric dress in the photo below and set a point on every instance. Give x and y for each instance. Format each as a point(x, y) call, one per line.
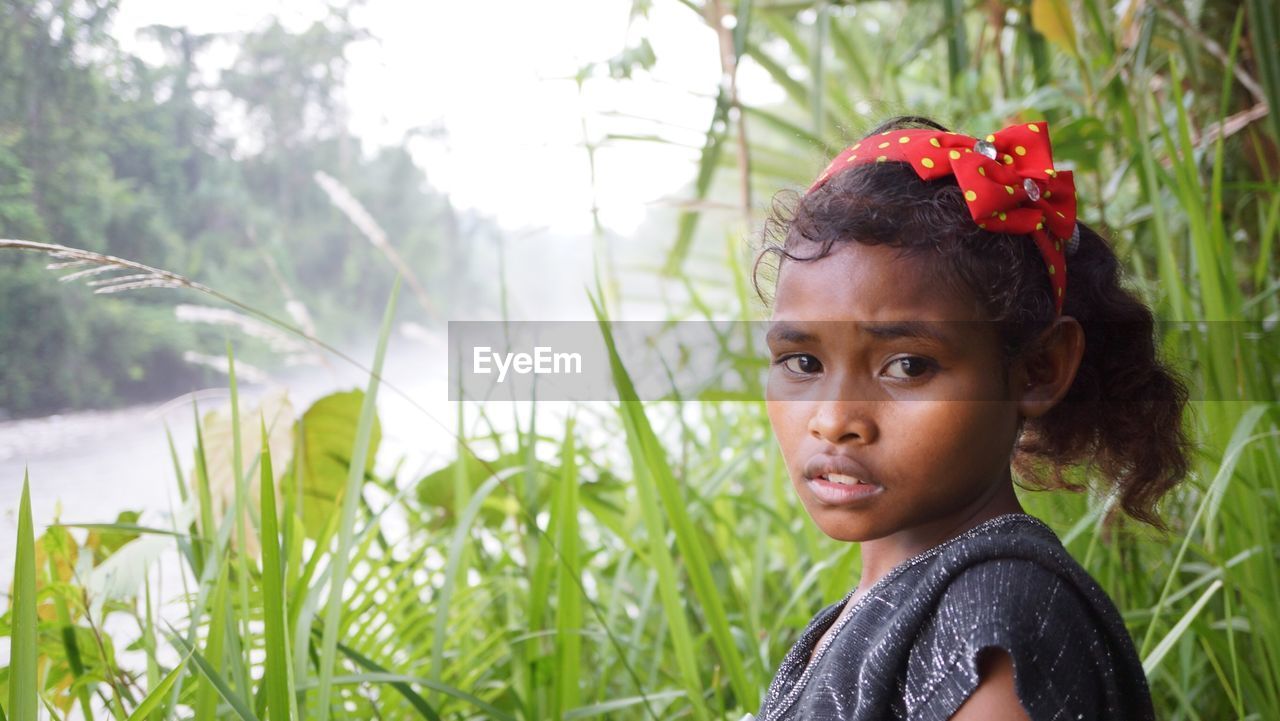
point(908, 648)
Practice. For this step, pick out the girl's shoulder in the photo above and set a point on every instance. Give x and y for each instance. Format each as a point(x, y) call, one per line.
point(1017, 588)
point(909, 648)
point(1004, 569)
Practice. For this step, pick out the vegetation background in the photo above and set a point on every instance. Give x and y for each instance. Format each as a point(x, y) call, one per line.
point(620, 560)
point(103, 151)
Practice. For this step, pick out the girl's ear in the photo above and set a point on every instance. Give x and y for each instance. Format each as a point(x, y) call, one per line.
point(1050, 366)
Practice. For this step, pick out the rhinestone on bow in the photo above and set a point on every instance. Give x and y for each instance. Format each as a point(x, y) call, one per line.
point(985, 148)
point(1033, 190)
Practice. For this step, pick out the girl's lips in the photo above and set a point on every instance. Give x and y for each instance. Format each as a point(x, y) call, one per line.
point(839, 494)
point(825, 465)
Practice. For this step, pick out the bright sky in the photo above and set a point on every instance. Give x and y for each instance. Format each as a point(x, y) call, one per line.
point(494, 74)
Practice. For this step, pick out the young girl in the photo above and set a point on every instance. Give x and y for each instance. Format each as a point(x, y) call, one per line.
point(925, 343)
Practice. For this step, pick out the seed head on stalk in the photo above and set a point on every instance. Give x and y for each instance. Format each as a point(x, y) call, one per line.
point(95, 270)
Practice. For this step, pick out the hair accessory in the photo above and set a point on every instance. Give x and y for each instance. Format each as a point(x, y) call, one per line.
point(1033, 190)
point(1008, 179)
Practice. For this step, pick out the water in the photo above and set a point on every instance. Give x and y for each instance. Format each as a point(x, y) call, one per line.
point(89, 466)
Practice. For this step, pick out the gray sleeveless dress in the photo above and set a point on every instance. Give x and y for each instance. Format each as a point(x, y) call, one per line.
point(908, 648)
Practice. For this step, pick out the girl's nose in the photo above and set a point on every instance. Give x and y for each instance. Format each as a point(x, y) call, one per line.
point(844, 421)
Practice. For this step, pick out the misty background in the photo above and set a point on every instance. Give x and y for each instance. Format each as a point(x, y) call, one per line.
point(501, 155)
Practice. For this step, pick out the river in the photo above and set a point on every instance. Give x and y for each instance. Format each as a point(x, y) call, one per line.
point(89, 466)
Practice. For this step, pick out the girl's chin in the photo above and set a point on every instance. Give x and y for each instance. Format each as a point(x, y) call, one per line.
point(855, 526)
point(844, 529)
point(846, 537)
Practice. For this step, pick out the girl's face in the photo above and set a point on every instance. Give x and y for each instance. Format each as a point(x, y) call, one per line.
point(912, 403)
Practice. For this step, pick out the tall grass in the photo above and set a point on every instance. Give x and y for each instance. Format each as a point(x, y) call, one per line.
point(1160, 123)
point(647, 560)
point(23, 654)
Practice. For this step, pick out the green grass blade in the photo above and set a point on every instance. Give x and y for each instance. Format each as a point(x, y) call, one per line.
point(707, 162)
point(23, 695)
point(156, 697)
point(121, 528)
point(786, 127)
point(1226, 470)
point(350, 501)
point(618, 704)
point(569, 602)
point(816, 68)
point(458, 542)
point(206, 550)
point(177, 465)
point(652, 467)
point(242, 508)
point(1158, 653)
point(663, 559)
point(278, 674)
point(215, 646)
point(214, 679)
point(1264, 26)
point(423, 708)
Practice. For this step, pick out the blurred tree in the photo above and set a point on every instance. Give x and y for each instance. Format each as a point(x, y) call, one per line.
point(209, 175)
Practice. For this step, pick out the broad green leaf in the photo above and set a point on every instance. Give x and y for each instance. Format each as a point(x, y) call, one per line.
point(437, 488)
point(329, 428)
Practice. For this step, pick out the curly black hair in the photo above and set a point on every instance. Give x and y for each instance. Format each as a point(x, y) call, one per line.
point(1123, 413)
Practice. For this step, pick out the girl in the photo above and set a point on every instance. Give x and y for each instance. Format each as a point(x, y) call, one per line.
point(925, 344)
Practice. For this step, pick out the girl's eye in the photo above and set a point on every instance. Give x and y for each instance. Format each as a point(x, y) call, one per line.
point(913, 366)
point(802, 368)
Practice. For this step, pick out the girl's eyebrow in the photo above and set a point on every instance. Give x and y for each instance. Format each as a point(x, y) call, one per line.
point(921, 330)
point(783, 331)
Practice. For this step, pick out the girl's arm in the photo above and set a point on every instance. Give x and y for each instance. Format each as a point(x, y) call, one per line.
point(994, 699)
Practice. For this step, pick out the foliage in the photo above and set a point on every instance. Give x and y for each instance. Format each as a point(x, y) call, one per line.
point(559, 580)
point(1159, 107)
point(102, 151)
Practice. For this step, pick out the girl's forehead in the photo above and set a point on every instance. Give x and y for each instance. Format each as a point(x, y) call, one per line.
point(867, 282)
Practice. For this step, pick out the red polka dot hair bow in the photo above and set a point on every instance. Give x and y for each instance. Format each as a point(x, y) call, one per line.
point(1008, 179)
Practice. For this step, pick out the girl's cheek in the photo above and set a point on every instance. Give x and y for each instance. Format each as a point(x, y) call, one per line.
point(771, 409)
point(778, 419)
point(948, 431)
point(918, 426)
point(788, 420)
